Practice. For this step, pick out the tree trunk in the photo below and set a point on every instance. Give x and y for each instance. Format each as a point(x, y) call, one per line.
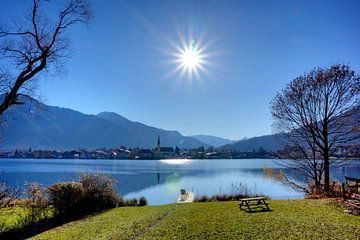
point(326, 172)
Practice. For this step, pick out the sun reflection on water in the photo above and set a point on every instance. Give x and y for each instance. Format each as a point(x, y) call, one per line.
point(176, 161)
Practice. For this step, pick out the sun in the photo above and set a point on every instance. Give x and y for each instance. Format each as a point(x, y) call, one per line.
point(190, 59)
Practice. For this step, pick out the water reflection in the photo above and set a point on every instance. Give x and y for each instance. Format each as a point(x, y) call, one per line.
point(160, 181)
point(176, 161)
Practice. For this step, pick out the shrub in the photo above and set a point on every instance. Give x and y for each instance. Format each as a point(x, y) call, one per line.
point(222, 198)
point(142, 201)
point(336, 190)
point(93, 193)
point(36, 203)
point(99, 192)
point(131, 202)
point(35, 208)
point(203, 198)
point(7, 194)
point(67, 199)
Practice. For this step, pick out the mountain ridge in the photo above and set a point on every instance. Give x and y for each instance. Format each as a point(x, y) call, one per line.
point(40, 126)
point(272, 142)
point(213, 140)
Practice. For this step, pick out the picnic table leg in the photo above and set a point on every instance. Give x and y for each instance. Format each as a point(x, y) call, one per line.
point(267, 207)
point(241, 204)
point(247, 204)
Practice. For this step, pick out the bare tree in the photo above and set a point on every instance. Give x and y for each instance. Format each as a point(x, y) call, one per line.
point(7, 193)
point(315, 111)
point(305, 159)
point(34, 44)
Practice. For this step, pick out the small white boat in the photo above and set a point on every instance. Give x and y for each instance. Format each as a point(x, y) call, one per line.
point(185, 197)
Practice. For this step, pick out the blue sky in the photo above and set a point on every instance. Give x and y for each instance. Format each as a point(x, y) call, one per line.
point(122, 62)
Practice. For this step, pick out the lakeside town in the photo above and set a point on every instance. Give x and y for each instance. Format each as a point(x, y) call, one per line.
point(137, 153)
point(122, 152)
point(350, 151)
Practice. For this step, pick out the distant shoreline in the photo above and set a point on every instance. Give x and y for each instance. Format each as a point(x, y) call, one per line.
point(169, 159)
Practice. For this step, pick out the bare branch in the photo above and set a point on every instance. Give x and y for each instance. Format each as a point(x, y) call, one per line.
point(316, 111)
point(37, 45)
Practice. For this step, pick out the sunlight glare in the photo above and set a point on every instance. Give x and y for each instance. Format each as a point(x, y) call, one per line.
point(176, 161)
point(190, 58)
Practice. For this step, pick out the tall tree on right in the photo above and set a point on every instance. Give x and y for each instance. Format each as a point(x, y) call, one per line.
point(317, 110)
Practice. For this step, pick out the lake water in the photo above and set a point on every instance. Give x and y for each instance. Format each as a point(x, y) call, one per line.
point(160, 180)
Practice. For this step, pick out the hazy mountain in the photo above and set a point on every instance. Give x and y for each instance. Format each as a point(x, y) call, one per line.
point(273, 142)
point(40, 126)
point(268, 142)
point(148, 134)
point(213, 140)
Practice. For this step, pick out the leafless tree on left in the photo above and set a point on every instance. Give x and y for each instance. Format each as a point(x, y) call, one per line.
point(36, 43)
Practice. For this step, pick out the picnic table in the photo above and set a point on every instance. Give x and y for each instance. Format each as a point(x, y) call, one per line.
point(258, 201)
point(351, 193)
point(353, 184)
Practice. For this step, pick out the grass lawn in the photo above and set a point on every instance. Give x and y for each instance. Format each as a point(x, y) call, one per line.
point(9, 217)
point(292, 219)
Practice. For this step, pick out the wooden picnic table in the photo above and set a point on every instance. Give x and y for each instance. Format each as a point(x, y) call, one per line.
point(258, 201)
point(352, 196)
point(353, 184)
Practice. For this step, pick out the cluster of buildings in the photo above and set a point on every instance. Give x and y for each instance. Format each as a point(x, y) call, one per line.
point(158, 152)
point(347, 151)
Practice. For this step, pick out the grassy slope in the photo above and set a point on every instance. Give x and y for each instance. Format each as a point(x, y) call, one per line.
point(298, 219)
point(9, 217)
point(289, 220)
point(119, 223)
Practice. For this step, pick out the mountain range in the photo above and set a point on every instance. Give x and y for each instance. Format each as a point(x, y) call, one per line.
point(40, 126)
point(273, 142)
point(267, 142)
point(213, 140)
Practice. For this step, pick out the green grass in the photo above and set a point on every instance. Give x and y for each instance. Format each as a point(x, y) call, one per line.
point(119, 223)
point(293, 219)
point(10, 217)
point(288, 220)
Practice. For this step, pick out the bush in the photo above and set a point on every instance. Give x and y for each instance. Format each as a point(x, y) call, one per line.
point(203, 198)
point(93, 193)
point(37, 202)
point(67, 199)
point(131, 202)
point(7, 194)
point(142, 201)
point(222, 198)
point(336, 190)
point(99, 192)
point(35, 209)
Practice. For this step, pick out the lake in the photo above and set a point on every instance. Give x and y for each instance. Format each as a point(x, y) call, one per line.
point(160, 180)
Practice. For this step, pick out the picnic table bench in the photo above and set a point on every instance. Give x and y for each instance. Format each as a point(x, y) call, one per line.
point(354, 204)
point(258, 201)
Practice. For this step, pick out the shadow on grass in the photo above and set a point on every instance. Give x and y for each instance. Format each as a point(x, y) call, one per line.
point(255, 209)
point(38, 227)
point(30, 229)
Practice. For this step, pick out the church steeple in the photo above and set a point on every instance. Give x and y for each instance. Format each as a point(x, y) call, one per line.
point(158, 141)
point(157, 152)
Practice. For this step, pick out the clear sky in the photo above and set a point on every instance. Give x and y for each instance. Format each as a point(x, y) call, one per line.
point(253, 48)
